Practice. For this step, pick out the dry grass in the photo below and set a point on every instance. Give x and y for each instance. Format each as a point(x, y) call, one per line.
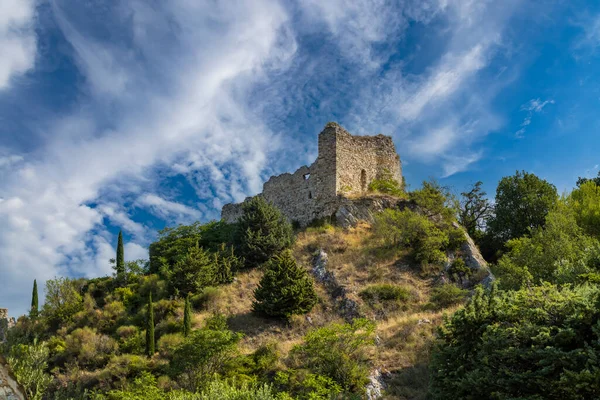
point(405, 333)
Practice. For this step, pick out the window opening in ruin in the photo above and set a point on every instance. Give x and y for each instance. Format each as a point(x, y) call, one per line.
point(363, 180)
point(310, 195)
point(306, 176)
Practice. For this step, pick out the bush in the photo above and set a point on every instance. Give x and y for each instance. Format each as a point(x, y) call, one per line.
point(338, 352)
point(88, 348)
point(304, 385)
point(29, 364)
point(168, 343)
point(130, 339)
point(458, 269)
point(262, 232)
point(206, 298)
point(202, 354)
point(535, 343)
point(386, 184)
point(384, 292)
point(448, 295)
point(285, 289)
point(411, 230)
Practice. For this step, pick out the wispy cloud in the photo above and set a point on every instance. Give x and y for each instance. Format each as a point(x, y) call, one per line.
point(17, 39)
point(532, 107)
point(168, 210)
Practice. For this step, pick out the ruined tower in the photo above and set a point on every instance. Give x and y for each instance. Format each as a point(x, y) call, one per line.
point(345, 167)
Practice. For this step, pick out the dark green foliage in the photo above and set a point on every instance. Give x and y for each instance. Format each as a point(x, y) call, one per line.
point(28, 363)
point(285, 289)
point(596, 180)
point(120, 260)
point(536, 343)
point(585, 203)
point(338, 352)
point(475, 210)
point(34, 310)
point(304, 385)
point(384, 292)
point(448, 295)
point(386, 184)
point(262, 232)
point(192, 272)
point(173, 243)
point(435, 200)
point(150, 344)
point(522, 203)
point(187, 316)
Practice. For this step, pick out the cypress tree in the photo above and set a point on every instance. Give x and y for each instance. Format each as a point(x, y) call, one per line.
point(285, 289)
point(187, 317)
point(34, 301)
point(150, 328)
point(120, 264)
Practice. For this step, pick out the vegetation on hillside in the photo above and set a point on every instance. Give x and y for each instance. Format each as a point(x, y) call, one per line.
point(230, 311)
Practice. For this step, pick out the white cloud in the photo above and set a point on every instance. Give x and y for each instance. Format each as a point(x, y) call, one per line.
point(168, 210)
point(531, 107)
point(50, 223)
point(17, 39)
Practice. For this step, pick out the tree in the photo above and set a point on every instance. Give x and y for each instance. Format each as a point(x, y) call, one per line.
point(187, 317)
point(63, 300)
point(33, 313)
point(475, 210)
point(585, 202)
point(581, 180)
point(262, 231)
point(559, 253)
point(536, 343)
point(522, 203)
point(150, 328)
point(195, 271)
point(285, 289)
point(120, 261)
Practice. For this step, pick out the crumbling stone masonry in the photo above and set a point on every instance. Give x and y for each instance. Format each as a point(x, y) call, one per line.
point(345, 167)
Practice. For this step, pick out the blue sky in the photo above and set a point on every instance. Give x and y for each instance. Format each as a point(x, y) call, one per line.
point(138, 114)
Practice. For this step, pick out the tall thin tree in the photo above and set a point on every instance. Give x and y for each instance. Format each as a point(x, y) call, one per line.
point(187, 317)
point(120, 263)
point(33, 313)
point(150, 328)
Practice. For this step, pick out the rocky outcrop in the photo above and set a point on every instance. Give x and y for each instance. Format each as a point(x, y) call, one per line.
point(347, 307)
point(350, 211)
point(9, 388)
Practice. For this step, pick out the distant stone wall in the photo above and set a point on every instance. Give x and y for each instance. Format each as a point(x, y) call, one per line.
point(346, 165)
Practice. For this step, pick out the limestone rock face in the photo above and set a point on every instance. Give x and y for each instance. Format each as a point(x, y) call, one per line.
point(9, 389)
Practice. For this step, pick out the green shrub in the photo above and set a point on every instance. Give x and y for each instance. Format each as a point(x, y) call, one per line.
point(412, 230)
point(88, 348)
point(207, 297)
point(304, 385)
point(167, 344)
point(448, 295)
point(29, 364)
point(130, 339)
point(262, 231)
point(384, 292)
point(285, 289)
point(386, 184)
point(339, 352)
point(459, 269)
point(202, 354)
point(535, 343)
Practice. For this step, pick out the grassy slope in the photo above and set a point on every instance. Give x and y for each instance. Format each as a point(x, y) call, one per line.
point(405, 331)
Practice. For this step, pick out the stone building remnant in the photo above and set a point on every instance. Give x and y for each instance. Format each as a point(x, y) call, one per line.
point(345, 166)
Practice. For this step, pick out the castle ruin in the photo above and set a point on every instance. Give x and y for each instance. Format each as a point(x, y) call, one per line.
point(345, 167)
point(5, 323)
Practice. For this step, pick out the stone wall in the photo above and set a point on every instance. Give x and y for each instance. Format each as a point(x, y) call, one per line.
point(345, 165)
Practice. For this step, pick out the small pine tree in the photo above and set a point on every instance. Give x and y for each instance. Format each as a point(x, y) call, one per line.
point(150, 328)
point(285, 289)
point(262, 232)
point(187, 317)
point(120, 263)
point(34, 301)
